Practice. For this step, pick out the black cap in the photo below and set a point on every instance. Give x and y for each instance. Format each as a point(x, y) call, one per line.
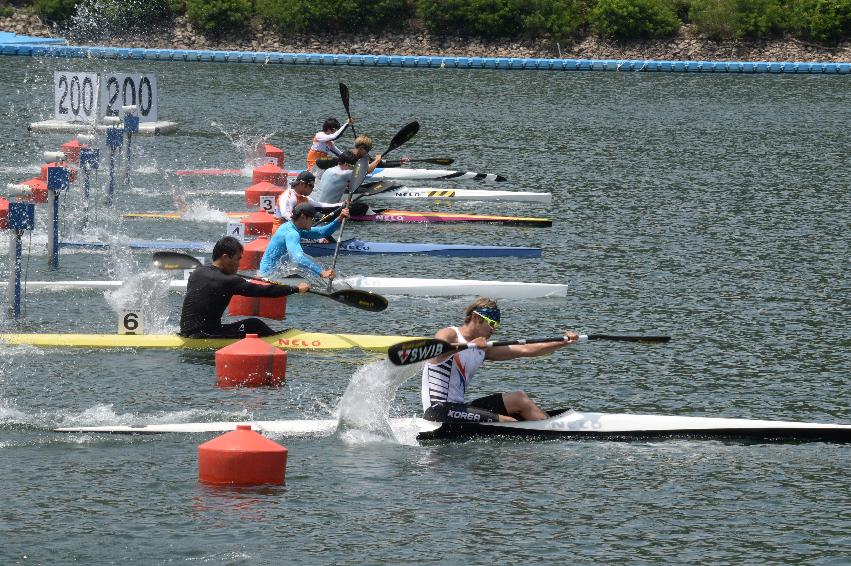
point(304, 209)
point(306, 177)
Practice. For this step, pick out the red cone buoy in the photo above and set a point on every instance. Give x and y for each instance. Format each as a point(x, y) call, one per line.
point(4, 213)
point(72, 172)
point(259, 224)
point(262, 189)
point(242, 458)
point(39, 189)
point(252, 253)
point(251, 362)
point(275, 152)
point(271, 173)
point(72, 149)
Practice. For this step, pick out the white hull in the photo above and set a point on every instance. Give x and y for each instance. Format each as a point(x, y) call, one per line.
point(570, 424)
point(425, 174)
point(429, 193)
point(381, 285)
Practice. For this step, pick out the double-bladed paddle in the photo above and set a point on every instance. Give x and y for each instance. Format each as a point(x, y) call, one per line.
point(355, 181)
point(328, 162)
point(366, 190)
point(413, 351)
point(364, 300)
point(344, 95)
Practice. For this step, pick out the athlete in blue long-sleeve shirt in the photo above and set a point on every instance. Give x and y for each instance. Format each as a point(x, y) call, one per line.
point(287, 240)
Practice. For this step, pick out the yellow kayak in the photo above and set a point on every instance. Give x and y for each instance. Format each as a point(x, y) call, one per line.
point(287, 340)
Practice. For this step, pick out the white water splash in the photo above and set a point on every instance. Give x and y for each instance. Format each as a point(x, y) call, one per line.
point(364, 410)
point(202, 211)
point(146, 293)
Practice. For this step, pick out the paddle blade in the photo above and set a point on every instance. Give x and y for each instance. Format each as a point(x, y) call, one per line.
point(327, 162)
point(174, 260)
point(413, 351)
point(371, 189)
point(403, 135)
point(358, 299)
point(645, 339)
point(344, 96)
point(358, 174)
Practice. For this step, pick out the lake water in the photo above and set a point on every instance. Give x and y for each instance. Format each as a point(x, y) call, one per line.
point(711, 208)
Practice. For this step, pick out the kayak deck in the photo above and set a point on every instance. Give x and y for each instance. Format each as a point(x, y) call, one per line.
point(287, 340)
point(565, 424)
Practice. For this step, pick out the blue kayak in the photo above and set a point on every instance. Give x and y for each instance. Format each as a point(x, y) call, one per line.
point(351, 246)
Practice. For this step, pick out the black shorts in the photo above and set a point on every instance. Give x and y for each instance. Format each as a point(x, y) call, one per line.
point(482, 410)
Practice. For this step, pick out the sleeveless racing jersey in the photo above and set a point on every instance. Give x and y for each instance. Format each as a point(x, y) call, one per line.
point(447, 381)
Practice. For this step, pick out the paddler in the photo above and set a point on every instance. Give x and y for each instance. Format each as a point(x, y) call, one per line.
point(335, 181)
point(323, 144)
point(445, 378)
point(210, 289)
point(297, 193)
point(287, 241)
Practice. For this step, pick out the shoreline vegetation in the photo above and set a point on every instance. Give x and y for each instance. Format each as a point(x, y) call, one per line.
point(632, 35)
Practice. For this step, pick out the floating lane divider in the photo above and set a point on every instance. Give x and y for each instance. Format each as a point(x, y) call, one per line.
point(421, 61)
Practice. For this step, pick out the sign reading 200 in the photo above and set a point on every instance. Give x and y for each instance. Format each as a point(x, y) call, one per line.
point(84, 97)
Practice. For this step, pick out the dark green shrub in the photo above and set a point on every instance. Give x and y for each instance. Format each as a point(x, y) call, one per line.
point(728, 19)
point(714, 19)
point(177, 7)
point(338, 16)
point(56, 11)
point(634, 19)
point(822, 21)
point(758, 19)
point(555, 18)
point(219, 17)
point(6, 11)
point(479, 18)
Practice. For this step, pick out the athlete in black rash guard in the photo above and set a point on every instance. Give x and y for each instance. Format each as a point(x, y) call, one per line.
point(210, 289)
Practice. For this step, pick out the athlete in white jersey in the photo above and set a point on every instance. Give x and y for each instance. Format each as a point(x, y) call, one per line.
point(445, 378)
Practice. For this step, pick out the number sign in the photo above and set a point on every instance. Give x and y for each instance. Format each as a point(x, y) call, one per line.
point(121, 89)
point(75, 96)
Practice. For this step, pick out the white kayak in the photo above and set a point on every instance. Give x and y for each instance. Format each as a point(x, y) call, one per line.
point(573, 425)
point(406, 193)
point(381, 285)
point(426, 174)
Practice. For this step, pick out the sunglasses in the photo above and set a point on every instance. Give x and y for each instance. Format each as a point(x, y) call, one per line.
point(494, 324)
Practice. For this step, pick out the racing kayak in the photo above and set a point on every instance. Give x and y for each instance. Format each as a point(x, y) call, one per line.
point(389, 215)
point(381, 285)
point(378, 173)
point(347, 247)
point(403, 216)
point(405, 193)
point(426, 174)
point(287, 340)
point(567, 424)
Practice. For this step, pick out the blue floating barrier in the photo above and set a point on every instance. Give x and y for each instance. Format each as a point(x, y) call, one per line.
point(395, 61)
point(844, 68)
point(369, 60)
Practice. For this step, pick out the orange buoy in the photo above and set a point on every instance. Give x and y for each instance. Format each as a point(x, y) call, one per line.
point(72, 149)
point(270, 173)
point(38, 188)
point(4, 213)
point(275, 152)
point(259, 224)
point(240, 458)
point(72, 172)
point(262, 189)
point(267, 307)
point(252, 253)
point(250, 362)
